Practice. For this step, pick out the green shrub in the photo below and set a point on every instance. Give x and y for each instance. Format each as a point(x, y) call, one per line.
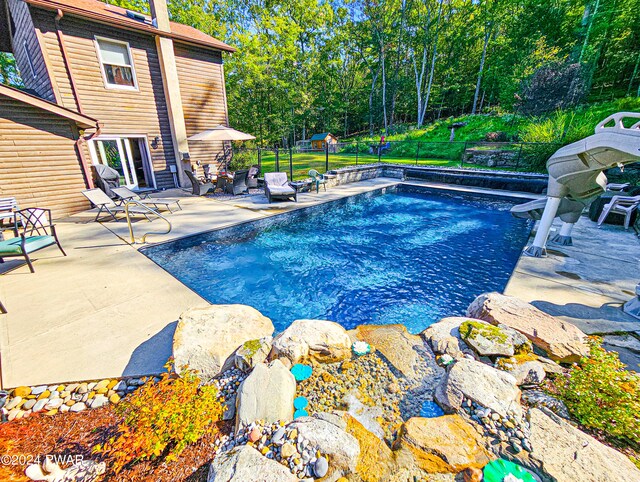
point(602, 395)
point(162, 418)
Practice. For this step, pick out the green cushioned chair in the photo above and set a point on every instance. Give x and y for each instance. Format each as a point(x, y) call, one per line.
point(37, 232)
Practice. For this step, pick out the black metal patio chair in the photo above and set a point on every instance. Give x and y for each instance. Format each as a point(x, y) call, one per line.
point(37, 232)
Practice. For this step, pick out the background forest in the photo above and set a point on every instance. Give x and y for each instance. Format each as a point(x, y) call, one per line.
point(371, 66)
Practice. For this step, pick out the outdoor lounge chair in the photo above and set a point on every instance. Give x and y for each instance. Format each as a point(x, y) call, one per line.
point(126, 194)
point(198, 188)
point(276, 186)
point(318, 179)
point(38, 232)
point(99, 199)
point(239, 183)
point(624, 205)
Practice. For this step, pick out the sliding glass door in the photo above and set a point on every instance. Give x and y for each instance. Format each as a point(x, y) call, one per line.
point(127, 155)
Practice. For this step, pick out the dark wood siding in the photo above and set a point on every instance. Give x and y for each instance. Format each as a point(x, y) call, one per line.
point(201, 78)
point(121, 112)
point(39, 164)
point(25, 38)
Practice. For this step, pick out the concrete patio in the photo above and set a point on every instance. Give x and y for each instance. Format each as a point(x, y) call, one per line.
point(106, 310)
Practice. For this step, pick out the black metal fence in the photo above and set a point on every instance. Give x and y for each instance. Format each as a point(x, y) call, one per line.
point(298, 161)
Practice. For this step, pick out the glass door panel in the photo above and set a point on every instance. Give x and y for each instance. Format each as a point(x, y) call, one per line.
point(128, 156)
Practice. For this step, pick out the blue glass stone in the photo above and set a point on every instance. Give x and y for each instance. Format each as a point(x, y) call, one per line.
point(301, 371)
point(300, 402)
point(431, 409)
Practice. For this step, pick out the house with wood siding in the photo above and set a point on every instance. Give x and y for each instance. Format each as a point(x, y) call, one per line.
point(150, 83)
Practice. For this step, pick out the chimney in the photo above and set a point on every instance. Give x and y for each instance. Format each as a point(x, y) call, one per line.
point(160, 14)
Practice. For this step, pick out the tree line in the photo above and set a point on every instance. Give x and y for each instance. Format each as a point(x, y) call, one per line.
point(373, 66)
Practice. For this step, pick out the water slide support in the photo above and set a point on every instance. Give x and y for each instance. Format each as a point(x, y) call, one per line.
point(563, 238)
point(538, 248)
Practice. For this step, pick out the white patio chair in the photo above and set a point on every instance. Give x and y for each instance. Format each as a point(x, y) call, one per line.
point(624, 205)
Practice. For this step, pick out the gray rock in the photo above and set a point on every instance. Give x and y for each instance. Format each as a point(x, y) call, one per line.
point(540, 399)
point(486, 339)
point(28, 405)
point(444, 337)
point(528, 373)
point(244, 464)
point(565, 453)
point(322, 340)
point(252, 352)
point(333, 418)
point(39, 406)
point(266, 394)
point(78, 407)
point(98, 401)
point(321, 467)
point(206, 337)
point(38, 390)
point(560, 340)
point(341, 448)
point(472, 380)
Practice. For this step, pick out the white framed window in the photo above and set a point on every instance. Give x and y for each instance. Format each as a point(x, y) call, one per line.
point(27, 51)
point(116, 63)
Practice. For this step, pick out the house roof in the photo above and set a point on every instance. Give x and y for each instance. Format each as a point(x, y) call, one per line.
point(81, 120)
point(117, 16)
point(321, 137)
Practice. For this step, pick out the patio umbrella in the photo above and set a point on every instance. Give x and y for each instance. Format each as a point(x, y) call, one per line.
point(221, 133)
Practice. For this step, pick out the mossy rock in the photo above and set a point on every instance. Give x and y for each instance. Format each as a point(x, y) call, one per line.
point(486, 339)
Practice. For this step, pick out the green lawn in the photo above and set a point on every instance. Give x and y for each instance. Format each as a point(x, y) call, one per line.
point(303, 162)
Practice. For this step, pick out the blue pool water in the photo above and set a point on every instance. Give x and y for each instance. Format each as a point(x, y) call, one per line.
point(408, 256)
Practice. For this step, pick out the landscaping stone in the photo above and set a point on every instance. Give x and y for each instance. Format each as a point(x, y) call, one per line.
point(266, 394)
point(444, 337)
point(442, 444)
point(21, 391)
point(561, 341)
point(473, 380)
point(376, 462)
point(251, 353)
point(565, 453)
point(206, 337)
point(78, 407)
point(321, 340)
point(341, 449)
point(527, 373)
point(402, 349)
point(245, 463)
point(540, 399)
point(488, 340)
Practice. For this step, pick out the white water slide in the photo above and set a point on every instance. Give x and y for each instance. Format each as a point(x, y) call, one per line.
point(576, 177)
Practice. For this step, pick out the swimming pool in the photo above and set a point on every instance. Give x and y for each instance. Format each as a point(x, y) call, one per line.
point(400, 255)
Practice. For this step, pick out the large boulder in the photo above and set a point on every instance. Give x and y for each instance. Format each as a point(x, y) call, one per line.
point(563, 452)
point(330, 439)
point(322, 340)
point(246, 464)
point(445, 444)
point(561, 341)
point(206, 337)
point(406, 352)
point(483, 384)
point(444, 337)
point(266, 394)
point(376, 462)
